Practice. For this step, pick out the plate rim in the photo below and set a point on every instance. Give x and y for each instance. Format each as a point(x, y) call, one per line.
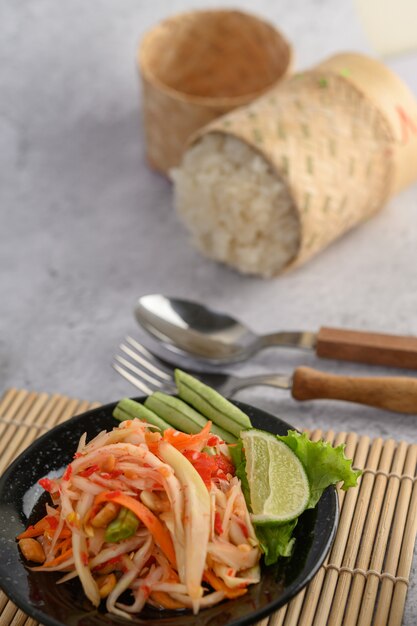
point(32, 611)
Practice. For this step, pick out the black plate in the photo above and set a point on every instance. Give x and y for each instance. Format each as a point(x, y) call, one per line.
point(65, 605)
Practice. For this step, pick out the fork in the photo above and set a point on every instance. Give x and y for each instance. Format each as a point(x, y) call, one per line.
point(150, 373)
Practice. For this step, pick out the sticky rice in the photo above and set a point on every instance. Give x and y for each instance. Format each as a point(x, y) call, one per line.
point(235, 207)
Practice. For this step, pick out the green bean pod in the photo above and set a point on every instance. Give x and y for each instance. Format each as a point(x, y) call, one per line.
point(129, 409)
point(182, 416)
point(211, 403)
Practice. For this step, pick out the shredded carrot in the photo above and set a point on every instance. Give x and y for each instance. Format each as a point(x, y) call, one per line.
point(159, 532)
point(64, 545)
point(65, 533)
point(59, 559)
point(165, 600)
point(182, 441)
point(219, 585)
point(36, 530)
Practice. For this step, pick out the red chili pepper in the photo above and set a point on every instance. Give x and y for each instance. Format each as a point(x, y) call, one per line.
point(77, 455)
point(213, 440)
point(109, 475)
point(244, 528)
point(113, 561)
point(90, 470)
point(52, 521)
point(97, 568)
point(67, 473)
point(218, 523)
point(47, 484)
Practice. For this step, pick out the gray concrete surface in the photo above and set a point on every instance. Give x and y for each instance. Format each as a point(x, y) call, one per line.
point(86, 227)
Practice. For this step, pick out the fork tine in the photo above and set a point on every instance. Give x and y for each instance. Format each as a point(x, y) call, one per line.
point(144, 366)
point(132, 379)
point(146, 359)
point(154, 382)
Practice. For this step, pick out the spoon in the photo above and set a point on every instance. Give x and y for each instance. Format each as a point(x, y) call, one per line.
point(194, 329)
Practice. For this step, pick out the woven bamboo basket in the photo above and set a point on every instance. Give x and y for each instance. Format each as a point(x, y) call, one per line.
point(199, 65)
point(343, 138)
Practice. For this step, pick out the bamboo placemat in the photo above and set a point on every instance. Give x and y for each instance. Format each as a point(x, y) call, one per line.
point(363, 582)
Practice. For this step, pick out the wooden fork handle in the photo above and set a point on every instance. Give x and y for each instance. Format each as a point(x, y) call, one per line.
point(384, 392)
point(365, 347)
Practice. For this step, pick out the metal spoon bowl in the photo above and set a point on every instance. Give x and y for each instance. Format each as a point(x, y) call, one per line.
point(194, 329)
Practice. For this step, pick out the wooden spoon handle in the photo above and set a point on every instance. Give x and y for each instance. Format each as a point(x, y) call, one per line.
point(365, 347)
point(384, 392)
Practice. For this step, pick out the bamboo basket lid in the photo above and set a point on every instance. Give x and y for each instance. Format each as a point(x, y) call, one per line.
point(199, 65)
point(342, 136)
point(394, 100)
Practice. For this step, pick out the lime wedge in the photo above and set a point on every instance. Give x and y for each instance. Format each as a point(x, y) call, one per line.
point(278, 484)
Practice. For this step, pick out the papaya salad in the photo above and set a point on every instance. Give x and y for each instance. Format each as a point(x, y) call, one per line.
point(176, 505)
point(161, 515)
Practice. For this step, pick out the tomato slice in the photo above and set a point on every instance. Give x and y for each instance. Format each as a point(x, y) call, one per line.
point(224, 464)
point(208, 466)
point(203, 463)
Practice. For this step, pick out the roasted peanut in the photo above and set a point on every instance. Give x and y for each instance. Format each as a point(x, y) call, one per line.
point(109, 464)
point(131, 475)
point(154, 502)
point(32, 550)
point(106, 584)
point(244, 547)
point(106, 515)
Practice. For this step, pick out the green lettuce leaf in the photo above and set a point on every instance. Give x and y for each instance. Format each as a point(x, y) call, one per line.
point(323, 464)
point(239, 461)
point(276, 540)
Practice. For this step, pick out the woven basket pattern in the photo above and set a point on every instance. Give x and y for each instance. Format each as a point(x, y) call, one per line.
point(329, 143)
point(198, 65)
